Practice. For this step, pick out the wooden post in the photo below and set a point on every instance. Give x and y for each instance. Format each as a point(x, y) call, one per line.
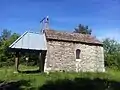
point(16, 62)
point(42, 56)
point(39, 61)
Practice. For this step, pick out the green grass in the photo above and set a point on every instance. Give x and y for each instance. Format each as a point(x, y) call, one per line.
point(7, 74)
point(38, 79)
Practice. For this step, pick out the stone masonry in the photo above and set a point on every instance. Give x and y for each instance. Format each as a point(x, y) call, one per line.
point(61, 55)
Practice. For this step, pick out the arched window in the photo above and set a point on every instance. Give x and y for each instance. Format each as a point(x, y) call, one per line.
point(78, 54)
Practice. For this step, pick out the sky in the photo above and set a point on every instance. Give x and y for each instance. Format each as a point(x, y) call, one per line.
point(102, 16)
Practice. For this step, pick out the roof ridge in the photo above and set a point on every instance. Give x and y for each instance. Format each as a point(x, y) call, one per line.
point(35, 32)
point(69, 32)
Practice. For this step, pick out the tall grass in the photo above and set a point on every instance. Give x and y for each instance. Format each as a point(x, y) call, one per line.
point(38, 79)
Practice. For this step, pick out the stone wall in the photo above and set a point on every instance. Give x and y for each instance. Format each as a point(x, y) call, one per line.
point(92, 58)
point(62, 56)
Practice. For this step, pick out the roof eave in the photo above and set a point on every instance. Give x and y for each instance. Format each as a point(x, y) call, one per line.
point(101, 44)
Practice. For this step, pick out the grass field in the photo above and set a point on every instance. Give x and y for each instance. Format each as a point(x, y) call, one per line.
point(57, 80)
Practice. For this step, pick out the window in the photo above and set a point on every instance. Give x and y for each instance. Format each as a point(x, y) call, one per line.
point(78, 54)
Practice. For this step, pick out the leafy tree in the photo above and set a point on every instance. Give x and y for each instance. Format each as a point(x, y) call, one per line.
point(6, 39)
point(5, 34)
point(83, 29)
point(112, 53)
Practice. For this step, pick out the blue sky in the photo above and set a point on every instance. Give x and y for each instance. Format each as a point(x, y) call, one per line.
point(102, 16)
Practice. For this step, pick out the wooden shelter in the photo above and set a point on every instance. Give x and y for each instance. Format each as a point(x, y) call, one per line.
point(32, 43)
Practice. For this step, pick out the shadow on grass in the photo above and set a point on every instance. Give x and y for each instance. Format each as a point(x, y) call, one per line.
point(81, 84)
point(16, 85)
point(30, 71)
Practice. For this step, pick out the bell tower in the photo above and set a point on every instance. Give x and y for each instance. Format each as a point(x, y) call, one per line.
point(45, 24)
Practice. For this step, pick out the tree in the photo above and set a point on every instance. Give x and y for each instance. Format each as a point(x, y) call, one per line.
point(83, 29)
point(6, 39)
point(112, 53)
point(5, 34)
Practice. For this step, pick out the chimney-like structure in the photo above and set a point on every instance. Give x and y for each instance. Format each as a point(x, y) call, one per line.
point(45, 24)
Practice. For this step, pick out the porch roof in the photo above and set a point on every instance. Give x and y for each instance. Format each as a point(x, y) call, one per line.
point(30, 41)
